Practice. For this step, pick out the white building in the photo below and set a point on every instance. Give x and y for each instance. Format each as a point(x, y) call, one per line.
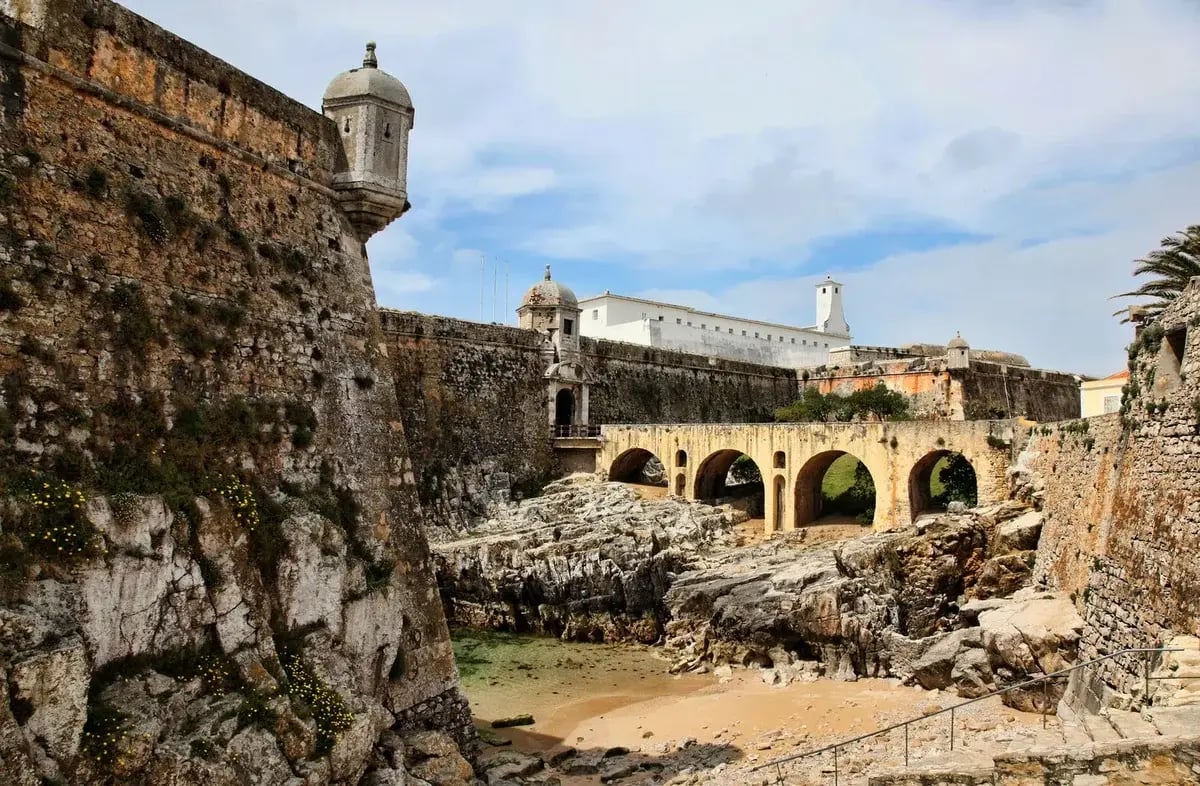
point(667, 326)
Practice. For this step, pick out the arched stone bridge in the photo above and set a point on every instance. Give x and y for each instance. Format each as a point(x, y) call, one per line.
point(793, 458)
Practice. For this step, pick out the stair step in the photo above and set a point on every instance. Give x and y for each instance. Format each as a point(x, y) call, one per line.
point(1174, 721)
point(1074, 731)
point(1131, 725)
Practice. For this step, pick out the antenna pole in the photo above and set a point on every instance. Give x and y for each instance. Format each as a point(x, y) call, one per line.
point(495, 281)
point(507, 313)
point(482, 271)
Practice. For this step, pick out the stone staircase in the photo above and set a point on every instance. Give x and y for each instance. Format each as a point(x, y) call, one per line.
point(1097, 738)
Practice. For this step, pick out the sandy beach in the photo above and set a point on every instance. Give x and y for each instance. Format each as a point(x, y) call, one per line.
point(605, 697)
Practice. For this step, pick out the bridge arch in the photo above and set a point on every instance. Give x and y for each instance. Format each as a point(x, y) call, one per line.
point(962, 483)
point(713, 474)
point(630, 466)
point(810, 502)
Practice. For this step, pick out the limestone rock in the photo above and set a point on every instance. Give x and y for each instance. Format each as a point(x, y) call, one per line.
point(934, 670)
point(1003, 575)
point(434, 757)
point(312, 572)
point(1020, 534)
point(54, 685)
point(587, 561)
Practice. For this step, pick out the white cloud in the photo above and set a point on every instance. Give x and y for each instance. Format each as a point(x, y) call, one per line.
point(707, 137)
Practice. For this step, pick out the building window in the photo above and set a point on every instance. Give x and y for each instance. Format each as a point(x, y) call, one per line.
point(679, 322)
point(822, 290)
point(643, 315)
point(731, 331)
point(804, 342)
point(743, 332)
point(793, 341)
point(835, 290)
point(717, 328)
point(568, 326)
point(689, 324)
point(827, 346)
point(660, 318)
point(768, 337)
point(703, 326)
point(781, 339)
point(1112, 404)
point(595, 313)
point(756, 334)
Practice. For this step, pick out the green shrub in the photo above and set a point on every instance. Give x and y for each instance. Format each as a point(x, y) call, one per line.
point(329, 711)
point(55, 526)
point(103, 733)
point(9, 299)
point(152, 216)
point(96, 183)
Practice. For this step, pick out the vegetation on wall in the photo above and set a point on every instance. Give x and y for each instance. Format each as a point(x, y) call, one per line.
point(877, 403)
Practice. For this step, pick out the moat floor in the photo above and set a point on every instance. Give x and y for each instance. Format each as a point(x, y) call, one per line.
point(598, 697)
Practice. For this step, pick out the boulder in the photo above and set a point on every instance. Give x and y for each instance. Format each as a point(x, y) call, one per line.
point(1002, 576)
point(434, 757)
point(934, 670)
point(1019, 534)
point(1034, 633)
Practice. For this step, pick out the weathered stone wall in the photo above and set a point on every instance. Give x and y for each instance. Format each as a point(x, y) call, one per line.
point(992, 390)
point(181, 299)
point(475, 406)
point(1120, 495)
point(635, 384)
point(982, 391)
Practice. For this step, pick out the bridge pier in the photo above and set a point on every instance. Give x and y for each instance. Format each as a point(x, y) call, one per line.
point(792, 458)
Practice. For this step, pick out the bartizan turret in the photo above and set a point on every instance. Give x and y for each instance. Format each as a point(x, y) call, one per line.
point(374, 114)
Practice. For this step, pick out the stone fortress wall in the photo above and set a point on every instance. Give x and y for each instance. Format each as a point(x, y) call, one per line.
point(1121, 498)
point(475, 409)
point(177, 278)
point(985, 389)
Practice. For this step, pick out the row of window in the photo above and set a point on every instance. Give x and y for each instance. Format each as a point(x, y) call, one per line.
point(717, 328)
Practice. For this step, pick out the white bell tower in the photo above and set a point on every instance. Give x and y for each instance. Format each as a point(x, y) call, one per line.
point(830, 318)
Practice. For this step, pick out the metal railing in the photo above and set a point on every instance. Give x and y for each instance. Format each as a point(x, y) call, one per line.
point(1044, 680)
point(587, 432)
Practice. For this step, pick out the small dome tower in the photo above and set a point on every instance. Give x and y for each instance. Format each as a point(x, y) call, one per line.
point(553, 309)
point(958, 352)
point(374, 114)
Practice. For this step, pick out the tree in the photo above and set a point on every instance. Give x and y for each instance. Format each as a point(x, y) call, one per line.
point(879, 401)
point(744, 470)
point(816, 407)
point(958, 481)
point(811, 407)
point(1171, 267)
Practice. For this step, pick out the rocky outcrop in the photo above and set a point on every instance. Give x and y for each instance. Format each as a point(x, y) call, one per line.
point(594, 561)
point(587, 561)
point(889, 604)
point(173, 657)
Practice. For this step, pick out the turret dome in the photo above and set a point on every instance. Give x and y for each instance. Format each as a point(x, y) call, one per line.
point(368, 81)
point(549, 293)
point(958, 342)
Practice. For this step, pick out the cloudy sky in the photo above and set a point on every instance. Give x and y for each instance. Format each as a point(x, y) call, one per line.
point(989, 167)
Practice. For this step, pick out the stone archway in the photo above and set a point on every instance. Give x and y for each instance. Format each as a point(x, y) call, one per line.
point(711, 475)
point(564, 408)
point(930, 489)
point(631, 467)
point(810, 500)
